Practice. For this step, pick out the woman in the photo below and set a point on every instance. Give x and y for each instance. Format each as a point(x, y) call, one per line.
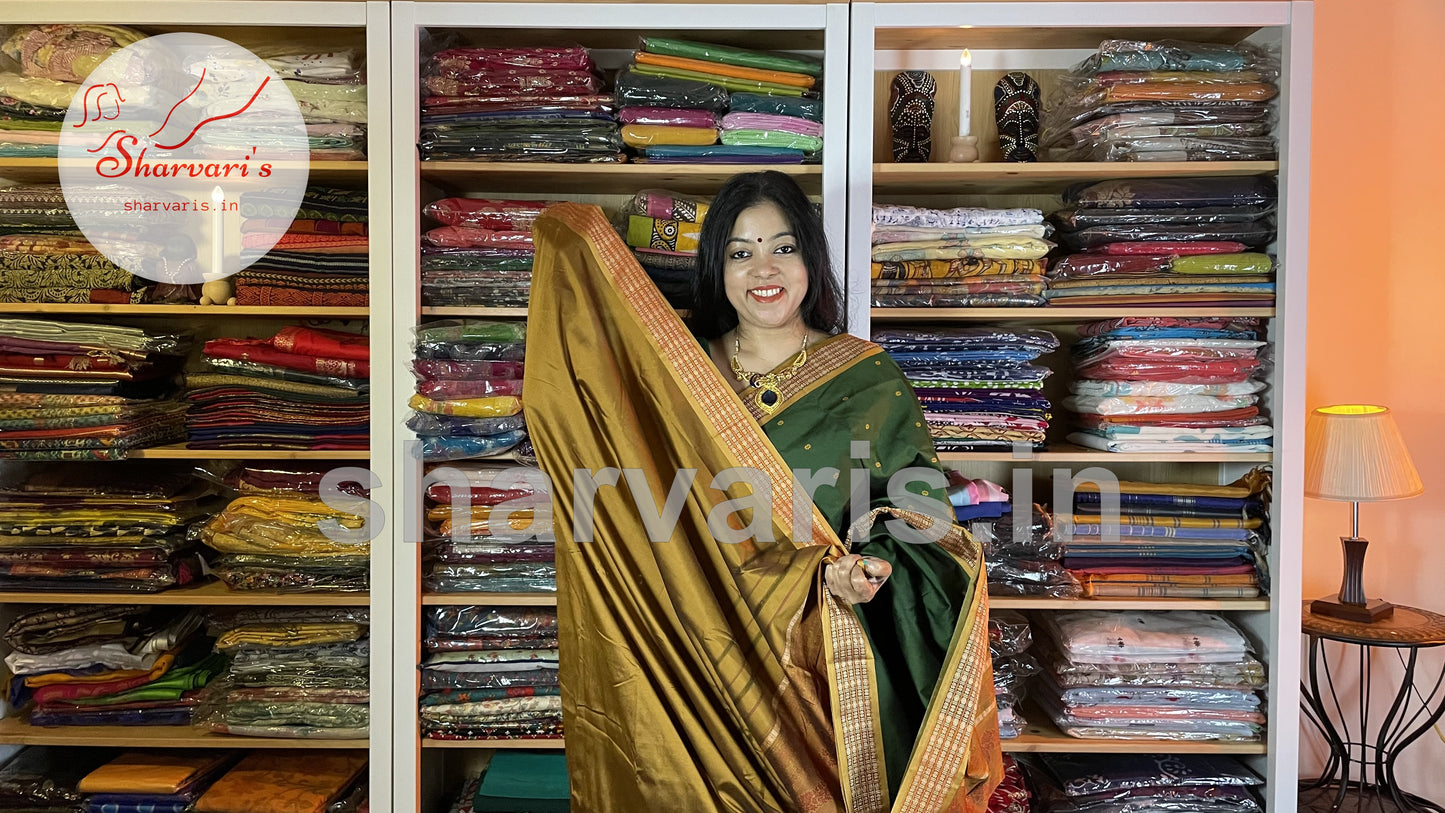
point(783, 671)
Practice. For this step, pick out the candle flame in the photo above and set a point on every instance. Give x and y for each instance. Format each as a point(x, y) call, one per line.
point(965, 59)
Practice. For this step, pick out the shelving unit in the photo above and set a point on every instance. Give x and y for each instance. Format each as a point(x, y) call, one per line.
point(1045, 38)
point(367, 24)
point(426, 778)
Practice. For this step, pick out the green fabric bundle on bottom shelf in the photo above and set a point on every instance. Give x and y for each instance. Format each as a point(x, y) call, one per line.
point(524, 782)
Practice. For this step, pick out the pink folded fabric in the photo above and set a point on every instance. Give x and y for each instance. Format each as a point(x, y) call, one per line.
point(768, 121)
point(668, 117)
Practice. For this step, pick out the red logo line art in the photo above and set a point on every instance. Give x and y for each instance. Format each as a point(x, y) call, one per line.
point(106, 89)
point(221, 117)
point(172, 111)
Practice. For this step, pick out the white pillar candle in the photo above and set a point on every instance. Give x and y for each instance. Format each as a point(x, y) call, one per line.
point(965, 92)
point(218, 229)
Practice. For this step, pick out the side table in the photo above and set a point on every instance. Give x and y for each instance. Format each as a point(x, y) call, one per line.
point(1360, 773)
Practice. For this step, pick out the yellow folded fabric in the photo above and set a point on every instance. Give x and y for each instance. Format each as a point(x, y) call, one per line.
point(298, 634)
point(280, 782)
point(157, 772)
point(964, 267)
point(657, 135)
point(1173, 489)
point(1174, 522)
point(721, 69)
point(497, 407)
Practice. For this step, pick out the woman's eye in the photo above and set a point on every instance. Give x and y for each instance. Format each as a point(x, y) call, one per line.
point(738, 255)
point(786, 249)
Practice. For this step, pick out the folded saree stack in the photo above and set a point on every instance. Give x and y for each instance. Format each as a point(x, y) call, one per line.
point(1110, 783)
point(481, 254)
point(80, 391)
point(322, 259)
point(43, 258)
point(978, 387)
point(512, 648)
point(330, 90)
point(1009, 638)
point(303, 388)
point(958, 258)
point(53, 62)
point(45, 778)
point(1024, 561)
point(294, 672)
point(1169, 384)
point(469, 384)
point(287, 539)
point(89, 665)
point(689, 102)
point(1174, 675)
point(488, 530)
point(322, 781)
point(516, 104)
point(75, 527)
point(1166, 241)
point(1175, 540)
point(662, 228)
point(153, 781)
point(1165, 101)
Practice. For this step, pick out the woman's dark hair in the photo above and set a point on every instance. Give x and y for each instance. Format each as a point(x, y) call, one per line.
point(712, 313)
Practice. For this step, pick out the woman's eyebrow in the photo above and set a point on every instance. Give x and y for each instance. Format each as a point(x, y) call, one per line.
point(774, 237)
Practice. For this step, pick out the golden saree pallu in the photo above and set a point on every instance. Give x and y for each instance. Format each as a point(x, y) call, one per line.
point(704, 675)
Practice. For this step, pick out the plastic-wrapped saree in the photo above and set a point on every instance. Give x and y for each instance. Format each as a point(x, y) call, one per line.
point(700, 675)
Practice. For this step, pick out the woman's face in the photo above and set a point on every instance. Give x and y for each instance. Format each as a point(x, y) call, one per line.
point(763, 271)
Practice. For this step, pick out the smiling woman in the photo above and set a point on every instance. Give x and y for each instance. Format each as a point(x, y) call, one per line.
point(827, 666)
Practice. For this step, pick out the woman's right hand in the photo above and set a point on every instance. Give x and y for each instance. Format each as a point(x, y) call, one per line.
point(856, 579)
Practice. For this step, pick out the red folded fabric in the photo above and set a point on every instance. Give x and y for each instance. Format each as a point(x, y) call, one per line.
point(261, 351)
point(314, 341)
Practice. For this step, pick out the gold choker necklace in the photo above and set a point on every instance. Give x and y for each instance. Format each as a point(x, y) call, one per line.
point(769, 385)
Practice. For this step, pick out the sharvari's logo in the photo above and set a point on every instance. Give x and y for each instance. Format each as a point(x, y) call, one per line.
point(184, 158)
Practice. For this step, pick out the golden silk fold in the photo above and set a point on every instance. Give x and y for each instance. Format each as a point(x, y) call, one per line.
point(702, 675)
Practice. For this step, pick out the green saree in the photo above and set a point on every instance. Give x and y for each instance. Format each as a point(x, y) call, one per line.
point(699, 674)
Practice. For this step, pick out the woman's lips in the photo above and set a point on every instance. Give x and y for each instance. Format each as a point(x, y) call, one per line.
point(766, 295)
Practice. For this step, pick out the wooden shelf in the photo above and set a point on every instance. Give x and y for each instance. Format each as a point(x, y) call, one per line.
point(182, 453)
point(1041, 736)
point(500, 599)
point(1009, 38)
point(42, 170)
point(563, 180)
point(198, 311)
point(477, 311)
point(963, 179)
point(1053, 314)
point(1208, 604)
point(213, 594)
point(14, 731)
point(554, 744)
point(1069, 453)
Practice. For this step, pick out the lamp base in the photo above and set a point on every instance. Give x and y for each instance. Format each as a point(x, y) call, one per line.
point(1372, 610)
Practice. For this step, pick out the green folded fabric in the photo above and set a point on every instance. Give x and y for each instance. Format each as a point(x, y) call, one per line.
point(725, 82)
point(771, 138)
point(733, 56)
point(1248, 263)
point(170, 686)
point(796, 107)
point(521, 780)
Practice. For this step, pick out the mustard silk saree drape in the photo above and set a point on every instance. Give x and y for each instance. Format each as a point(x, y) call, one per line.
point(699, 675)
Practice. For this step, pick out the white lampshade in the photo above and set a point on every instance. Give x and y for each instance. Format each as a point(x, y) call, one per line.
point(1354, 453)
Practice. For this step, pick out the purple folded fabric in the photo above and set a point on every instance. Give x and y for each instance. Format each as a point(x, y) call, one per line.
point(768, 121)
point(669, 117)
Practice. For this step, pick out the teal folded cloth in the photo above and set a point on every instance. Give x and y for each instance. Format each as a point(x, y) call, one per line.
point(524, 780)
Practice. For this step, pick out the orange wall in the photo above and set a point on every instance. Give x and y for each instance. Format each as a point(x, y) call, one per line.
point(1377, 294)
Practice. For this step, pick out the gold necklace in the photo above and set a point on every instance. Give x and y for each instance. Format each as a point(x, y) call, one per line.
point(769, 385)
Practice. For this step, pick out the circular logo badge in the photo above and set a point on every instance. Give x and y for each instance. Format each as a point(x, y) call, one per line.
point(183, 158)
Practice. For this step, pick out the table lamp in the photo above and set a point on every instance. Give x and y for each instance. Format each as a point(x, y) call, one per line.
point(1354, 453)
